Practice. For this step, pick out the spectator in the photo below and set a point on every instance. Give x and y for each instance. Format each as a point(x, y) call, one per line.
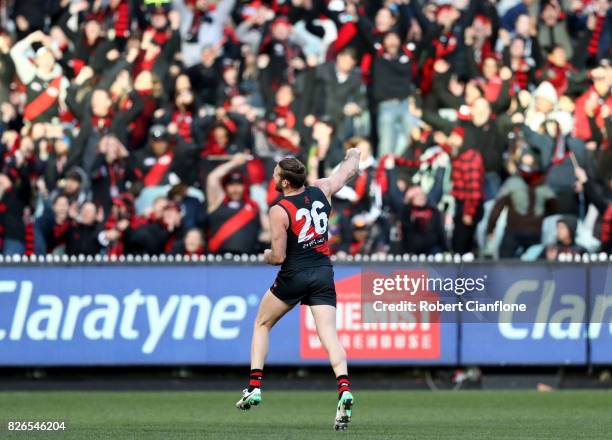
point(391, 72)
point(467, 177)
point(193, 243)
point(141, 108)
point(528, 200)
point(166, 160)
point(422, 225)
point(53, 225)
point(340, 93)
point(82, 237)
point(45, 82)
point(565, 240)
point(234, 220)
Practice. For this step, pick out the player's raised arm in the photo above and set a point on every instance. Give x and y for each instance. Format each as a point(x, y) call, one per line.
point(279, 222)
point(347, 169)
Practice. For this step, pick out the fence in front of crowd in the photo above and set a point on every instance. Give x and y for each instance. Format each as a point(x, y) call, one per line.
point(174, 310)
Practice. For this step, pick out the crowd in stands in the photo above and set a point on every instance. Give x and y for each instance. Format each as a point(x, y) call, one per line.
point(153, 126)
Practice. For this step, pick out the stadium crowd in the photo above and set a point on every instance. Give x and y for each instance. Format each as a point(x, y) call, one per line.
point(153, 126)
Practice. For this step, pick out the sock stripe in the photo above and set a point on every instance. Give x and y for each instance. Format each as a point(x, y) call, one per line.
point(344, 384)
point(255, 378)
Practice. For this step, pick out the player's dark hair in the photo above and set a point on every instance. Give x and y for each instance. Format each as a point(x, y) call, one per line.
point(292, 170)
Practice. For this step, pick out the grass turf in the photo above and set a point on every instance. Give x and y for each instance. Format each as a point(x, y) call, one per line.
point(309, 415)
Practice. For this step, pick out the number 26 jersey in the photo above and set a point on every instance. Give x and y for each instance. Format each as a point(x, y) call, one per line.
point(307, 244)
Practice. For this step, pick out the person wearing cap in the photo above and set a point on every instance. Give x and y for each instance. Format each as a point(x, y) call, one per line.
point(45, 82)
point(166, 160)
point(234, 221)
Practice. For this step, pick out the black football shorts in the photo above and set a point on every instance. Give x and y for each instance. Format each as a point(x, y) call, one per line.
point(311, 286)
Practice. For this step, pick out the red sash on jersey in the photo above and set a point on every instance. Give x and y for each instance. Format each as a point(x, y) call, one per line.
point(44, 101)
point(158, 171)
point(231, 225)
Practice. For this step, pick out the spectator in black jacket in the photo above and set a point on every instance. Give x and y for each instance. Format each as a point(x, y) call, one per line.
point(565, 240)
point(14, 197)
point(422, 224)
point(161, 234)
point(392, 85)
point(340, 93)
point(82, 236)
point(167, 159)
point(110, 172)
point(52, 226)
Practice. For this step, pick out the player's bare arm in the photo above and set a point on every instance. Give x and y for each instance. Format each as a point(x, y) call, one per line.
point(347, 169)
point(278, 231)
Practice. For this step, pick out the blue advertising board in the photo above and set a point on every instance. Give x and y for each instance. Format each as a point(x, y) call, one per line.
point(550, 331)
point(153, 315)
point(600, 309)
point(203, 314)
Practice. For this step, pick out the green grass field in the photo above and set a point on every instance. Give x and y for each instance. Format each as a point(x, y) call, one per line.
point(308, 415)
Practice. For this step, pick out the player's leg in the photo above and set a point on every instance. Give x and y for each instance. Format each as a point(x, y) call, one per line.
point(325, 321)
point(271, 309)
